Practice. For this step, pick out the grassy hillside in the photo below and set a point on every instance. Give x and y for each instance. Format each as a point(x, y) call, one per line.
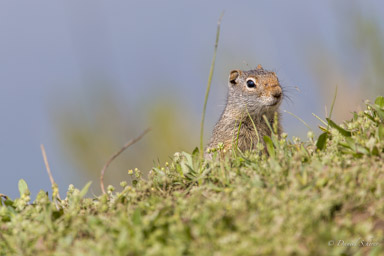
point(322, 196)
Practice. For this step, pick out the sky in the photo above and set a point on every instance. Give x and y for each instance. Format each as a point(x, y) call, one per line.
point(52, 53)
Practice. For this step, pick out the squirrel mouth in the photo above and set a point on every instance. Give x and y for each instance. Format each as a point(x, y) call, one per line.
point(274, 103)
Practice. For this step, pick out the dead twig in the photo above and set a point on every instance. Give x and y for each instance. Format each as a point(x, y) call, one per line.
point(129, 143)
point(46, 164)
point(53, 183)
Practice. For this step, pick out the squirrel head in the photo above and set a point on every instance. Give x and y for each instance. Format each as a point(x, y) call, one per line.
point(257, 91)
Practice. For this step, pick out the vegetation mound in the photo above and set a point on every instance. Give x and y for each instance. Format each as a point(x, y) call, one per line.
point(314, 197)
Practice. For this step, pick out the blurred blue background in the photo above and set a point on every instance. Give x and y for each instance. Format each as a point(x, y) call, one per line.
point(83, 77)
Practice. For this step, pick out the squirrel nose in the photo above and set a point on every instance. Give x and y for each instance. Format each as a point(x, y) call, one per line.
point(276, 94)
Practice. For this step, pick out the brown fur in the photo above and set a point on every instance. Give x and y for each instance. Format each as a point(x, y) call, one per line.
point(264, 99)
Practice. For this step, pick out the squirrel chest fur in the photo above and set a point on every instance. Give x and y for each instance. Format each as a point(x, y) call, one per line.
point(251, 95)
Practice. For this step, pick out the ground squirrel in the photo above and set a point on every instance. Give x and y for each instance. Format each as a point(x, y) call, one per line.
point(252, 93)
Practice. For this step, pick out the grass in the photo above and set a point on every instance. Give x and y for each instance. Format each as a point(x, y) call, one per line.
point(303, 199)
point(212, 68)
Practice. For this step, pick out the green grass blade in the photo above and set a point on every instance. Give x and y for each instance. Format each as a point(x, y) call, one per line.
point(321, 120)
point(333, 102)
point(269, 145)
point(254, 127)
point(298, 118)
point(237, 136)
point(85, 189)
point(268, 124)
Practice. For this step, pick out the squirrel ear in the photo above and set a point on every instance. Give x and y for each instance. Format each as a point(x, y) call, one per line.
point(259, 67)
point(233, 76)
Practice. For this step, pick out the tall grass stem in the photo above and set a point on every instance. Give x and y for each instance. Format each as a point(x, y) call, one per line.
point(298, 118)
point(209, 86)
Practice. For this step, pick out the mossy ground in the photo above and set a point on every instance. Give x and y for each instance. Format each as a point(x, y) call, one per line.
point(314, 197)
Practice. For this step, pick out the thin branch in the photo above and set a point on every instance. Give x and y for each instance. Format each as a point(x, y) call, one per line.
point(47, 165)
point(3, 196)
point(53, 183)
point(129, 143)
point(209, 85)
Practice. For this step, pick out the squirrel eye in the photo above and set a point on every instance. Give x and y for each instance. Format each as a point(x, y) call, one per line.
point(251, 84)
